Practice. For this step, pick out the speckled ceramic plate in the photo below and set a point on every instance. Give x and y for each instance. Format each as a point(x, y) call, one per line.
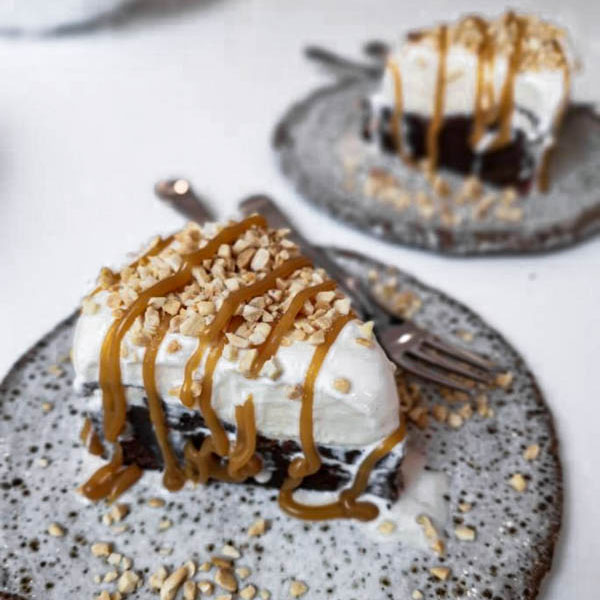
point(43, 462)
point(322, 151)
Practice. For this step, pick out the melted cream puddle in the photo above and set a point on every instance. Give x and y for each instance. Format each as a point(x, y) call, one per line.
point(423, 494)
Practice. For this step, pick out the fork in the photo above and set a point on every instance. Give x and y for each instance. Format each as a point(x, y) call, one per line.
point(410, 347)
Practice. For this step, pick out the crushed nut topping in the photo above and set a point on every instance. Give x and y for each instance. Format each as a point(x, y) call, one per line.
point(387, 527)
point(173, 346)
point(255, 254)
point(219, 561)
point(542, 43)
point(156, 502)
point(111, 576)
point(189, 590)
point(419, 416)
point(531, 452)
point(230, 551)
point(101, 549)
point(298, 588)
point(504, 380)
point(431, 533)
point(206, 587)
point(518, 482)
point(118, 512)
point(248, 592)
point(114, 558)
point(257, 528)
point(440, 412)
point(455, 420)
point(341, 384)
point(464, 533)
point(172, 583)
point(225, 578)
point(294, 392)
point(361, 341)
point(56, 530)
point(441, 573)
point(128, 582)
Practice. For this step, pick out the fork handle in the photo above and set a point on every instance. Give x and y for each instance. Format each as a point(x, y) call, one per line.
point(186, 202)
point(352, 286)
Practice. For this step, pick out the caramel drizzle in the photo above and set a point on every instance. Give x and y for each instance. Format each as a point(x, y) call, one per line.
point(173, 477)
point(243, 463)
point(507, 96)
point(113, 396)
point(392, 65)
point(484, 91)
point(544, 174)
point(218, 436)
point(438, 107)
point(346, 506)
point(111, 480)
point(90, 438)
point(310, 463)
point(205, 463)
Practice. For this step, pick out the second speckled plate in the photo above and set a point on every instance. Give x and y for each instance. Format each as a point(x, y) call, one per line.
point(322, 151)
point(43, 462)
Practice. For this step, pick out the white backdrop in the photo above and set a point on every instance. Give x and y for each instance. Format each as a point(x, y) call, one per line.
point(88, 123)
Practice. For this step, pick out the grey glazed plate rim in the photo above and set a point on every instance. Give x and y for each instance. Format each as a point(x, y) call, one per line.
point(542, 565)
point(434, 237)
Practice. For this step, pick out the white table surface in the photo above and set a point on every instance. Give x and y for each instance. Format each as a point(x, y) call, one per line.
point(89, 122)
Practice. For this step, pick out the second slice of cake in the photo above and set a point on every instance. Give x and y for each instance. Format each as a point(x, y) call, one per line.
point(478, 96)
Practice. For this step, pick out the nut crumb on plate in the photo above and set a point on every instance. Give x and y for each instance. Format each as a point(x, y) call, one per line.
point(386, 527)
point(248, 592)
point(441, 573)
point(298, 588)
point(531, 452)
point(258, 527)
point(128, 582)
point(518, 482)
point(56, 530)
point(101, 549)
point(225, 578)
point(172, 583)
point(230, 551)
point(464, 533)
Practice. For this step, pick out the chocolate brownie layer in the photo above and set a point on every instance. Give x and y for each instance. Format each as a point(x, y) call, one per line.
point(513, 164)
point(337, 471)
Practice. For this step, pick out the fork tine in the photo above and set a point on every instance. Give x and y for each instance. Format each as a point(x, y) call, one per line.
point(419, 369)
point(460, 354)
point(450, 365)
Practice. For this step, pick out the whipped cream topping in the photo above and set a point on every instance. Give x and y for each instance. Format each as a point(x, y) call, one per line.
point(368, 412)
